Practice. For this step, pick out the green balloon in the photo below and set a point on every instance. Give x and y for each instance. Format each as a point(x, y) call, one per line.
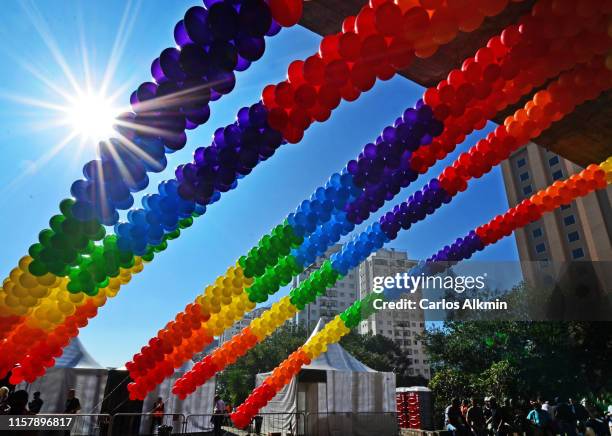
point(45, 237)
point(35, 250)
point(37, 268)
point(56, 223)
point(66, 207)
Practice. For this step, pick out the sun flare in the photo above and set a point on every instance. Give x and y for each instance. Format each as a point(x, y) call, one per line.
point(91, 116)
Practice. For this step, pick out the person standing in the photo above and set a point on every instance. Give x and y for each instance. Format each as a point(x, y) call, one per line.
point(73, 405)
point(4, 393)
point(36, 404)
point(453, 419)
point(217, 419)
point(475, 418)
point(563, 418)
point(158, 414)
point(539, 419)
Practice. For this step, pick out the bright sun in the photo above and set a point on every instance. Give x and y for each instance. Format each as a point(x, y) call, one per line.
point(91, 116)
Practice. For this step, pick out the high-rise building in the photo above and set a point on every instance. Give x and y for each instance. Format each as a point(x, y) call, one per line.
point(401, 326)
point(241, 323)
point(336, 299)
point(578, 231)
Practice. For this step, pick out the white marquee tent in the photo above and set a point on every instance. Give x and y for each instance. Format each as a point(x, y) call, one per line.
point(339, 393)
point(74, 369)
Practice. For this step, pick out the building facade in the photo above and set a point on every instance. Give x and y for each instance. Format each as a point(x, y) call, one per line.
point(580, 231)
point(401, 326)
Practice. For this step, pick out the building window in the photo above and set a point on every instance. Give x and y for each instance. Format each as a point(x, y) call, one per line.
point(569, 220)
point(416, 360)
point(577, 253)
point(527, 190)
point(573, 236)
point(524, 176)
point(537, 233)
point(565, 206)
point(557, 175)
point(540, 248)
point(553, 161)
point(521, 162)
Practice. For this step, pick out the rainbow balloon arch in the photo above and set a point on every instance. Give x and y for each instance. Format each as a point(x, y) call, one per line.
point(77, 264)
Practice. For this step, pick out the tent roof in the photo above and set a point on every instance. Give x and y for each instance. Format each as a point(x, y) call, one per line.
point(76, 356)
point(335, 358)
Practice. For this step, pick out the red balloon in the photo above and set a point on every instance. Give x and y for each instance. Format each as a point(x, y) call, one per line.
point(388, 19)
point(373, 49)
point(295, 73)
point(348, 25)
point(337, 73)
point(284, 95)
point(365, 24)
point(400, 53)
point(314, 70)
point(286, 12)
point(363, 76)
point(329, 97)
point(350, 92)
point(349, 46)
point(277, 118)
point(329, 47)
point(415, 23)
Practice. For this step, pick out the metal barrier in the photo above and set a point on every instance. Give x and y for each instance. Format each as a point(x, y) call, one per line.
point(276, 424)
point(86, 424)
point(134, 424)
point(352, 423)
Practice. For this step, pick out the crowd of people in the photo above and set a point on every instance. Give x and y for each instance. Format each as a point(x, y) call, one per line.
point(534, 418)
point(17, 402)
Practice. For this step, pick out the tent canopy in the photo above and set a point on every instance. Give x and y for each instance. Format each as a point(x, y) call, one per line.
point(76, 356)
point(336, 358)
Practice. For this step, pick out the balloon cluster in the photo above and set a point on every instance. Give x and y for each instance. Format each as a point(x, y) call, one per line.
point(592, 178)
point(383, 168)
point(29, 343)
point(521, 58)
point(230, 351)
point(376, 43)
point(43, 347)
point(213, 42)
point(410, 116)
point(547, 106)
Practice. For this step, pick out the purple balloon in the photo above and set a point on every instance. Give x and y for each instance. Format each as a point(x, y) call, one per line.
point(169, 61)
point(157, 72)
point(181, 37)
point(242, 64)
point(196, 25)
point(274, 28)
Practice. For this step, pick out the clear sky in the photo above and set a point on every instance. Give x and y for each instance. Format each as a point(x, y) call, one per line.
point(40, 41)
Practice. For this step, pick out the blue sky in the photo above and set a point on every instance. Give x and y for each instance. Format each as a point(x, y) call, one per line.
point(33, 180)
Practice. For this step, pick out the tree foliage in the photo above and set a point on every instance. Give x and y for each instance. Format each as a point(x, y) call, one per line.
point(526, 359)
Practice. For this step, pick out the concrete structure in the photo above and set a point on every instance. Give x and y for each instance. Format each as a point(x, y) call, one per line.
point(402, 326)
point(241, 323)
point(338, 298)
point(581, 230)
point(582, 137)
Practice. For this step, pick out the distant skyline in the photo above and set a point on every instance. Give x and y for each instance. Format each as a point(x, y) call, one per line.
point(33, 182)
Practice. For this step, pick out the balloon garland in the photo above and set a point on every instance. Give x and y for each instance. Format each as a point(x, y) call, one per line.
point(60, 223)
point(227, 136)
point(592, 178)
point(322, 246)
point(566, 92)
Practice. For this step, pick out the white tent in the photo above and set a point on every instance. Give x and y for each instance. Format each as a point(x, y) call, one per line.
point(339, 394)
point(74, 369)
